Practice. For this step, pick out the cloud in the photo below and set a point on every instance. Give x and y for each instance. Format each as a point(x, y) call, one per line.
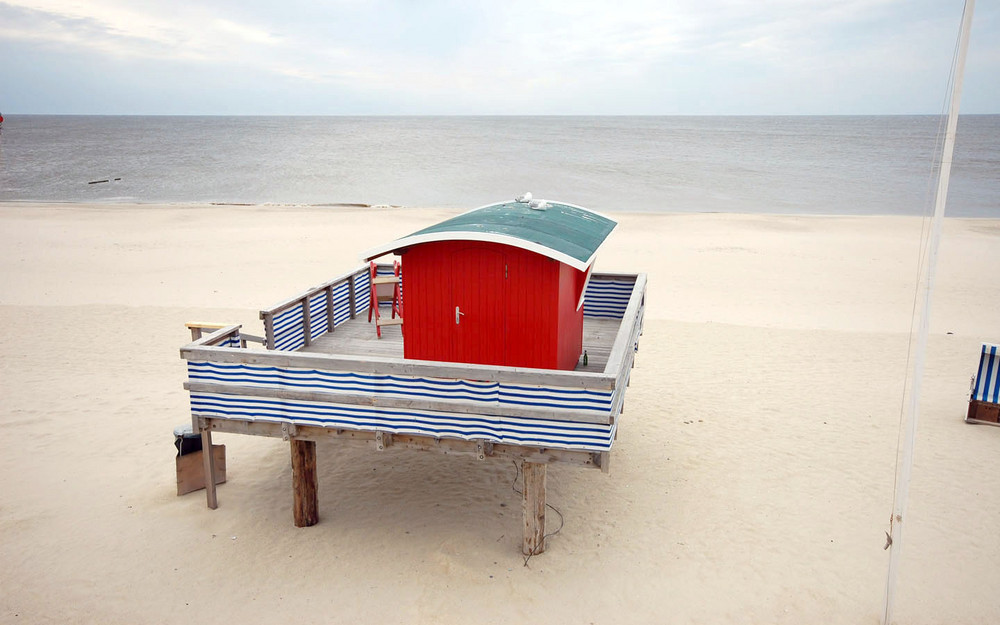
point(247, 33)
point(538, 56)
point(157, 31)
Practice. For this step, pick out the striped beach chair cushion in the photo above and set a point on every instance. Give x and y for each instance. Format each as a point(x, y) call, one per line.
point(987, 384)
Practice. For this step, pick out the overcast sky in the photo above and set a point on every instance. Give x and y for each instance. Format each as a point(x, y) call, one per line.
point(350, 57)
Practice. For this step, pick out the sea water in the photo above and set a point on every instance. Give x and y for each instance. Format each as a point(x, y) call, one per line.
point(798, 165)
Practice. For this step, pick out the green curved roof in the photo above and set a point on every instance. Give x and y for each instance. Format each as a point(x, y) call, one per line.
point(567, 233)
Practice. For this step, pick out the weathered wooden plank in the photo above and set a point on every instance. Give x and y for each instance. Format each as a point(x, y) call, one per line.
point(306, 323)
point(254, 428)
point(603, 460)
point(207, 340)
point(630, 319)
point(198, 327)
point(981, 422)
point(191, 470)
point(269, 340)
point(291, 301)
point(597, 277)
point(447, 446)
point(209, 465)
point(391, 348)
point(624, 373)
point(205, 325)
point(983, 412)
point(355, 337)
point(454, 408)
point(393, 366)
point(244, 337)
point(352, 296)
point(533, 507)
point(498, 451)
point(330, 315)
point(305, 501)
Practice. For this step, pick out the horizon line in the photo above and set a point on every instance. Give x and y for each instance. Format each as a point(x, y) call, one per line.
point(578, 115)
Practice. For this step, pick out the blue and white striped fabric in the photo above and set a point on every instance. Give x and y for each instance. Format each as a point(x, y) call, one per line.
point(607, 299)
point(361, 292)
point(383, 271)
point(230, 340)
point(289, 325)
point(239, 375)
point(578, 400)
point(341, 303)
point(987, 387)
point(319, 323)
point(289, 328)
point(508, 430)
point(289, 332)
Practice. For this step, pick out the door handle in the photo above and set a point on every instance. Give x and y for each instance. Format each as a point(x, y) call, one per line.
point(458, 314)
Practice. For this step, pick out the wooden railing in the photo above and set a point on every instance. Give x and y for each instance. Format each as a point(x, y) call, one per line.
point(626, 344)
point(219, 335)
point(590, 397)
point(299, 320)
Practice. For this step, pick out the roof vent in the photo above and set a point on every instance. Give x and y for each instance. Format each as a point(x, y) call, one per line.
point(523, 199)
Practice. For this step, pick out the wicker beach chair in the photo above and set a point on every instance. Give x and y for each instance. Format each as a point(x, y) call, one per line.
point(984, 402)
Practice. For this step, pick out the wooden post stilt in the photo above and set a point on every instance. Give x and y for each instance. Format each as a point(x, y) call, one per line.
point(330, 317)
point(351, 296)
point(305, 504)
point(306, 322)
point(533, 507)
point(208, 459)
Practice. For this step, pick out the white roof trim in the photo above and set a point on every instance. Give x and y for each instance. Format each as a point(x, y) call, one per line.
point(504, 239)
point(479, 236)
point(583, 208)
point(583, 291)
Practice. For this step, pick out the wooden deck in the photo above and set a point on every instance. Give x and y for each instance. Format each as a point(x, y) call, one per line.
point(349, 386)
point(356, 337)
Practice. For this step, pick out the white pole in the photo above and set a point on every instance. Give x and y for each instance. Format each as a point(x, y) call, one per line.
point(903, 488)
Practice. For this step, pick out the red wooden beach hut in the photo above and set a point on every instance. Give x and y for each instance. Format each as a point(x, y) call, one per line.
point(500, 285)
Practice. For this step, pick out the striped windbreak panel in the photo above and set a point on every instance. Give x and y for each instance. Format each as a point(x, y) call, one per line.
point(289, 331)
point(361, 292)
point(289, 325)
point(607, 299)
point(319, 322)
point(498, 429)
point(591, 402)
point(987, 385)
point(341, 303)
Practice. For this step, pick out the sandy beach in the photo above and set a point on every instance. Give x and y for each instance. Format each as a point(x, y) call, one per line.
point(751, 481)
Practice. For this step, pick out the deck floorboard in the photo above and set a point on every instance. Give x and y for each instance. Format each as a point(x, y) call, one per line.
point(356, 337)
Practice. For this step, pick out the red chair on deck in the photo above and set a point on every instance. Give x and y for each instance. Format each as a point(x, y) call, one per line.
point(385, 289)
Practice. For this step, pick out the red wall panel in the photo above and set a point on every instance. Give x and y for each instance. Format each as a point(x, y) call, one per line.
point(570, 330)
point(426, 333)
point(531, 300)
point(518, 307)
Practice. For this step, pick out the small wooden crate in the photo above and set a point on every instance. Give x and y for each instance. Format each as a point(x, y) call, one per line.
point(191, 470)
point(983, 412)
